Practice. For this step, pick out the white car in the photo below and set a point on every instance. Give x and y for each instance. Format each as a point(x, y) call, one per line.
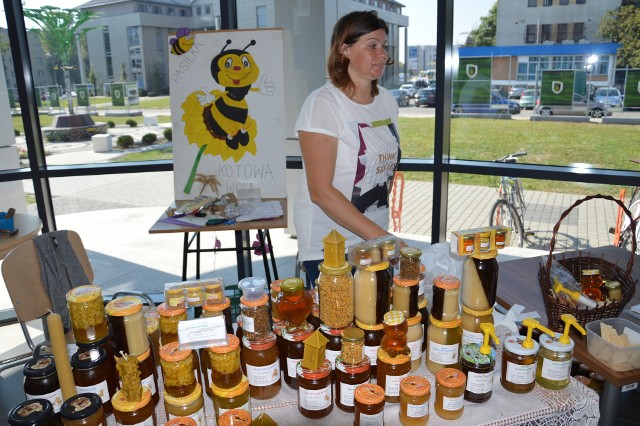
point(610, 96)
point(410, 89)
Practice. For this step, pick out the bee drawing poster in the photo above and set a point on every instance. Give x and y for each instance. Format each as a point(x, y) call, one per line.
point(227, 108)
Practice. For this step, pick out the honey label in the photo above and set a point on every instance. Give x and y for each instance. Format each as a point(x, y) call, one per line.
point(331, 356)
point(521, 374)
point(54, 398)
point(248, 324)
point(471, 337)
point(100, 389)
point(198, 417)
point(392, 385)
point(292, 364)
point(372, 419)
point(556, 370)
point(347, 392)
point(264, 375)
point(150, 383)
point(416, 349)
point(452, 404)
point(372, 353)
point(479, 383)
point(418, 411)
point(315, 399)
point(443, 354)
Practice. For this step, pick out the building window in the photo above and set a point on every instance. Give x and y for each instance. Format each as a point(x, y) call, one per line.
point(578, 31)
point(183, 12)
point(563, 2)
point(532, 34)
point(545, 32)
point(207, 10)
point(142, 8)
point(533, 3)
point(156, 10)
point(198, 10)
point(171, 11)
point(261, 16)
point(581, 1)
point(547, 3)
point(562, 33)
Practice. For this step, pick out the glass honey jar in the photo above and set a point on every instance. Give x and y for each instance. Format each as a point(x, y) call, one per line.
point(229, 399)
point(174, 297)
point(235, 417)
point(177, 370)
point(410, 263)
point(369, 405)
point(92, 374)
point(86, 310)
point(222, 308)
point(129, 328)
point(592, 284)
point(336, 295)
point(33, 412)
point(213, 292)
point(83, 409)
point(41, 381)
point(294, 305)
point(450, 385)
point(415, 392)
point(292, 352)
point(394, 341)
point(405, 296)
point(372, 285)
point(134, 413)
point(195, 294)
point(390, 373)
point(334, 345)
point(446, 298)
point(372, 338)
point(191, 406)
point(352, 368)
point(315, 394)
point(169, 319)
point(181, 421)
point(471, 320)
point(414, 340)
point(224, 361)
point(443, 344)
point(261, 364)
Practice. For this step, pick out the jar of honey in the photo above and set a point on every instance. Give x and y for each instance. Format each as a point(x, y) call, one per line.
point(292, 352)
point(92, 374)
point(235, 417)
point(468, 243)
point(174, 298)
point(591, 283)
point(177, 370)
point(83, 409)
point(149, 375)
point(181, 421)
point(501, 238)
point(372, 337)
point(195, 294)
point(315, 395)
point(294, 305)
point(33, 412)
point(414, 340)
point(410, 263)
point(480, 280)
point(415, 392)
point(224, 360)
point(261, 364)
point(213, 292)
point(405, 296)
point(335, 291)
point(391, 371)
point(151, 317)
point(443, 344)
point(478, 367)
point(129, 328)
point(394, 341)
point(450, 385)
point(169, 319)
point(41, 381)
point(446, 298)
point(134, 413)
point(519, 365)
point(229, 399)
point(86, 311)
point(471, 320)
point(191, 406)
point(614, 291)
point(274, 290)
point(372, 284)
point(222, 308)
point(369, 405)
point(256, 323)
point(352, 368)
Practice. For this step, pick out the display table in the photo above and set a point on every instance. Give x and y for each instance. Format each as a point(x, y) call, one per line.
point(28, 227)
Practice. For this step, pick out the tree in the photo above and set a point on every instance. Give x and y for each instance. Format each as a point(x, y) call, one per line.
point(622, 25)
point(57, 29)
point(485, 33)
point(123, 72)
point(93, 80)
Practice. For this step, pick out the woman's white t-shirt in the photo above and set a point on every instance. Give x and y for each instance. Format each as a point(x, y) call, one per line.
point(368, 155)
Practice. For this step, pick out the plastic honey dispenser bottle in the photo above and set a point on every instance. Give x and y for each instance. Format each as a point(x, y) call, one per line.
point(574, 295)
point(554, 368)
point(519, 359)
point(478, 362)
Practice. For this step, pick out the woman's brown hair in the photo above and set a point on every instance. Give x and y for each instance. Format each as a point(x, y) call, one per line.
point(347, 31)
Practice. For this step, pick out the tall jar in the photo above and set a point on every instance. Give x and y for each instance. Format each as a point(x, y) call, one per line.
point(261, 365)
point(315, 395)
point(83, 409)
point(41, 381)
point(471, 321)
point(223, 309)
point(410, 263)
point(151, 318)
point(33, 412)
point(443, 344)
point(519, 365)
point(177, 370)
point(294, 305)
point(446, 298)
point(554, 366)
point(335, 292)
point(405, 296)
point(191, 406)
point(480, 280)
point(450, 385)
point(256, 323)
point(415, 392)
point(86, 311)
point(169, 319)
point(372, 285)
point(134, 413)
point(478, 368)
point(352, 368)
point(372, 338)
point(369, 405)
point(225, 363)
point(394, 341)
point(334, 344)
point(229, 399)
point(235, 417)
point(128, 326)
point(292, 353)
point(91, 373)
point(391, 371)
point(414, 340)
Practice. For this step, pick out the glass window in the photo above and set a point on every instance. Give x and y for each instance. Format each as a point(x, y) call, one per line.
point(198, 11)
point(156, 10)
point(563, 2)
point(142, 8)
point(531, 36)
point(207, 10)
point(578, 31)
point(533, 3)
point(171, 11)
point(581, 1)
point(545, 32)
point(183, 12)
point(261, 16)
point(562, 33)
point(547, 3)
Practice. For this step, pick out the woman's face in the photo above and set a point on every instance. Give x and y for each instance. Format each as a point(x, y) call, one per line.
point(367, 57)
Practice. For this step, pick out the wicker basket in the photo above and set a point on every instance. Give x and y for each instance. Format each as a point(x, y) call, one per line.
point(575, 265)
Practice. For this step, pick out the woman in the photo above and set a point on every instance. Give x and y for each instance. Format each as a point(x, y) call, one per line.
point(349, 142)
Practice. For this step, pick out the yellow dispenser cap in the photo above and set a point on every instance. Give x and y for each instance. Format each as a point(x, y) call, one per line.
point(531, 323)
point(575, 295)
point(569, 320)
point(489, 331)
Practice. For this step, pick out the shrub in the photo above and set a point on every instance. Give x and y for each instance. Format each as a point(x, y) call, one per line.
point(124, 141)
point(22, 153)
point(16, 132)
point(111, 124)
point(168, 134)
point(131, 122)
point(149, 138)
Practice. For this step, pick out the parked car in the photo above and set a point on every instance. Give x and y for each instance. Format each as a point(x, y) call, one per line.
point(498, 105)
point(409, 88)
point(581, 106)
point(401, 96)
point(516, 91)
point(426, 97)
point(528, 99)
point(609, 96)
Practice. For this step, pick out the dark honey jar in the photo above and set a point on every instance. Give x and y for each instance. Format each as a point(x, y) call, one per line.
point(83, 409)
point(41, 381)
point(92, 374)
point(33, 412)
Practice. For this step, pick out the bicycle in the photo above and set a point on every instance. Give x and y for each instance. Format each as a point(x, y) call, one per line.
point(510, 207)
point(623, 227)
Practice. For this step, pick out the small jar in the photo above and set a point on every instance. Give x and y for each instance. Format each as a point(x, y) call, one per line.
point(134, 413)
point(614, 291)
point(443, 344)
point(33, 412)
point(229, 399)
point(471, 320)
point(274, 290)
point(591, 283)
point(394, 341)
point(292, 352)
point(223, 308)
point(213, 292)
point(371, 285)
point(83, 409)
point(369, 405)
point(195, 295)
point(468, 243)
point(446, 295)
point(169, 319)
point(414, 340)
point(478, 368)
point(372, 338)
point(450, 385)
point(480, 280)
point(191, 406)
point(415, 392)
point(501, 238)
point(152, 321)
point(335, 291)
point(519, 365)
point(315, 396)
point(41, 381)
point(390, 373)
point(352, 368)
point(261, 364)
point(92, 374)
point(334, 345)
point(174, 298)
point(410, 263)
point(483, 242)
point(177, 370)
point(294, 305)
point(86, 311)
point(405, 296)
point(256, 324)
point(149, 375)
point(224, 361)
point(128, 326)
point(235, 418)
point(554, 364)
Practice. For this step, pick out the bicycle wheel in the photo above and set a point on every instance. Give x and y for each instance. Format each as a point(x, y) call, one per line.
point(626, 236)
point(503, 214)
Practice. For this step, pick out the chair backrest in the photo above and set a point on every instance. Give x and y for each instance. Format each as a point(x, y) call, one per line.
point(21, 273)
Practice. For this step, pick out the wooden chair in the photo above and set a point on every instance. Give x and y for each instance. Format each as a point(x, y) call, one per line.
point(21, 273)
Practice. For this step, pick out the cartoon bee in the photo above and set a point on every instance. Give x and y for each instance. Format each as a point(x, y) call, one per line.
point(182, 42)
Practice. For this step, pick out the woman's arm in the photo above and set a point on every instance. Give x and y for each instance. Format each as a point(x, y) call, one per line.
point(319, 154)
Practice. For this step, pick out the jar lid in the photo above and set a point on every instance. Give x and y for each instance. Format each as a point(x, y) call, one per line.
point(398, 359)
point(414, 320)
point(232, 344)
point(393, 318)
point(235, 417)
point(292, 284)
point(80, 406)
point(554, 345)
point(120, 403)
point(175, 290)
point(195, 288)
point(477, 313)
point(31, 412)
point(217, 307)
point(323, 371)
point(491, 254)
point(352, 334)
point(238, 389)
point(472, 355)
point(84, 293)
point(181, 421)
point(451, 378)
point(340, 270)
point(514, 345)
point(259, 345)
point(380, 266)
point(172, 352)
point(85, 360)
point(611, 285)
point(184, 400)
point(410, 252)
point(446, 282)
point(415, 385)
point(253, 303)
point(123, 306)
point(445, 324)
point(298, 336)
point(361, 367)
point(40, 367)
point(165, 311)
point(369, 327)
point(591, 272)
point(275, 286)
point(252, 287)
point(369, 394)
point(404, 282)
